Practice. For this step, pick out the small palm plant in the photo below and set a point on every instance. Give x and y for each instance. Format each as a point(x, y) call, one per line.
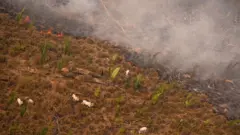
point(19, 15)
point(138, 81)
point(189, 101)
point(67, 45)
point(44, 49)
point(115, 73)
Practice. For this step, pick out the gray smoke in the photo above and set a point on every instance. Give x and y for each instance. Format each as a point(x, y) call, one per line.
point(185, 32)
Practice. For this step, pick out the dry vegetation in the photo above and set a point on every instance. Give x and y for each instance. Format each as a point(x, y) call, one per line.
point(49, 69)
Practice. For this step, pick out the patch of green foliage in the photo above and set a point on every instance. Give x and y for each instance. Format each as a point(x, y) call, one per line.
point(19, 15)
point(31, 25)
point(141, 111)
point(189, 100)
point(234, 122)
point(60, 64)
point(121, 131)
point(114, 58)
point(19, 47)
point(67, 46)
point(16, 49)
point(118, 109)
point(118, 120)
point(160, 91)
point(137, 82)
point(120, 99)
point(70, 133)
point(13, 129)
point(206, 122)
point(115, 72)
point(97, 92)
point(13, 97)
point(157, 94)
point(44, 131)
point(23, 109)
point(44, 49)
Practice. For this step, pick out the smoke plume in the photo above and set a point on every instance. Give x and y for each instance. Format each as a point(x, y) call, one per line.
point(185, 32)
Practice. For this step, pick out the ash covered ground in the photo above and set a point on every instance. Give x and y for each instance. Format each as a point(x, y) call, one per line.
point(223, 89)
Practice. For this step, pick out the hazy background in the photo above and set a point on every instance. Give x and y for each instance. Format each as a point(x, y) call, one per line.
point(185, 32)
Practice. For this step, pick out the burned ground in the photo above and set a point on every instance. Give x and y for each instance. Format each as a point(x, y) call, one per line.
point(168, 101)
point(121, 105)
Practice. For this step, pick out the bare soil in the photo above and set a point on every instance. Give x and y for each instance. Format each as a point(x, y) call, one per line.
point(120, 107)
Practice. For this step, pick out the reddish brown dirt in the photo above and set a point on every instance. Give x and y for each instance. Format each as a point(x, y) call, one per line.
point(118, 108)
